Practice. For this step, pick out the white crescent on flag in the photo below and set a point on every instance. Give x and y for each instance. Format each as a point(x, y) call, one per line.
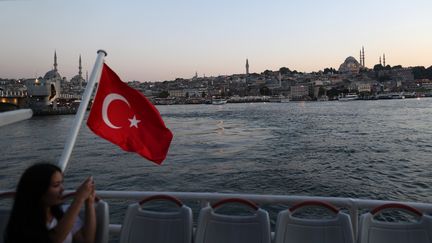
point(107, 101)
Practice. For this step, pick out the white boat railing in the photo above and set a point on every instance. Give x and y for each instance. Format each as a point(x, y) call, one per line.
point(352, 205)
point(9, 117)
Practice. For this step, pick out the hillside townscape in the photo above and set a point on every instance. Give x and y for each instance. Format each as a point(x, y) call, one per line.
point(352, 78)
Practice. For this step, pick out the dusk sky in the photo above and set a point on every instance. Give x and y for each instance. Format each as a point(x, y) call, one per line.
point(163, 40)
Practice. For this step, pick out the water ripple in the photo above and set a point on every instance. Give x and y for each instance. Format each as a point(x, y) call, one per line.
point(373, 149)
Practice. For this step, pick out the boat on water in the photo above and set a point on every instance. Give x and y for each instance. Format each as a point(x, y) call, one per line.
point(348, 97)
point(393, 95)
point(218, 101)
point(278, 99)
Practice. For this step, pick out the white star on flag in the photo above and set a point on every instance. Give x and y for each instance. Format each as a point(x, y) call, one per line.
point(134, 122)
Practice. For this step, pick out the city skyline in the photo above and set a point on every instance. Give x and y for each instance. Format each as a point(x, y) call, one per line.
point(157, 41)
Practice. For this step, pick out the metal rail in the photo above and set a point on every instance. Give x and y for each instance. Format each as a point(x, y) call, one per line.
point(352, 205)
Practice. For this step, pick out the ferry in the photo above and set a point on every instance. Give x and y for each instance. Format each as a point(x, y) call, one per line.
point(208, 217)
point(348, 97)
point(391, 96)
point(278, 99)
point(219, 101)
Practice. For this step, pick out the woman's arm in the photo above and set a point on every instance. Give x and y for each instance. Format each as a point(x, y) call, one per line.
point(59, 233)
point(87, 234)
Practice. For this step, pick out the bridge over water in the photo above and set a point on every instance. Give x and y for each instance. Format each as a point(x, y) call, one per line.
point(11, 100)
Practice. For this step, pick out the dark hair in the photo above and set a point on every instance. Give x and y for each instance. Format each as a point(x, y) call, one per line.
point(27, 221)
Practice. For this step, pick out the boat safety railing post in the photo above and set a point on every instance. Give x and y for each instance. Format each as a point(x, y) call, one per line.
point(354, 213)
point(94, 77)
point(204, 203)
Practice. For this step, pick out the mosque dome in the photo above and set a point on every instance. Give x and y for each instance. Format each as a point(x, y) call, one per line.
point(350, 65)
point(77, 80)
point(53, 74)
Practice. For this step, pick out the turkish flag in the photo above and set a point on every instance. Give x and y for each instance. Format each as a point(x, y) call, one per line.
point(124, 116)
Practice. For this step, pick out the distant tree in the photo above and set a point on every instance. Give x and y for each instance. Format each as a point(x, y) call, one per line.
point(329, 70)
point(420, 72)
point(284, 70)
point(384, 78)
point(264, 90)
point(333, 92)
point(321, 91)
point(163, 94)
point(378, 67)
point(203, 94)
point(187, 95)
point(267, 72)
point(397, 67)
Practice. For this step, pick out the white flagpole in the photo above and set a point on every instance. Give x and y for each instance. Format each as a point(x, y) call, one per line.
point(94, 77)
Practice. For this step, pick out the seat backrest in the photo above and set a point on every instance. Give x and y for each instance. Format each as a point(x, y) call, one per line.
point(290, 229)
point(4, 218)
point(216, 228)
point(102, 222)
point(374, 231)
point(147, 226)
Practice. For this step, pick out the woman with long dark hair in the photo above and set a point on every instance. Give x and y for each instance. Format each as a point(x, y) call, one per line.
point(37, 215)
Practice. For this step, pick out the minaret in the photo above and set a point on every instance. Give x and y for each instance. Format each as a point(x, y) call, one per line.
point(361, 62)
point(247, 67)
point(363, 57)
point(380, 61)
point(280, 79)
point(80, 67)
point(384, 59)
point(55, 60)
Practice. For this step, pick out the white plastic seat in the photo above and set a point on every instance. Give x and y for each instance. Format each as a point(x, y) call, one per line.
point(218, 228)
point(374, 231)
point(291, 229)
point(102, 222)
point(145, 226)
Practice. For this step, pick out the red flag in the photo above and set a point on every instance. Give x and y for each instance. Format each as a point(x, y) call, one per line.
point(125, 117)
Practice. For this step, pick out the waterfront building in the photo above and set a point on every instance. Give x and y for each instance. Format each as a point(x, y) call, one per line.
point(300, 92)
point(364, 86)
point(13, 94)
point(176, 93)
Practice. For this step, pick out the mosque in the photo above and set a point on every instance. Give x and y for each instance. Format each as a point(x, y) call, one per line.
point(351, 65)
point(43, 92)
point(78, 81)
